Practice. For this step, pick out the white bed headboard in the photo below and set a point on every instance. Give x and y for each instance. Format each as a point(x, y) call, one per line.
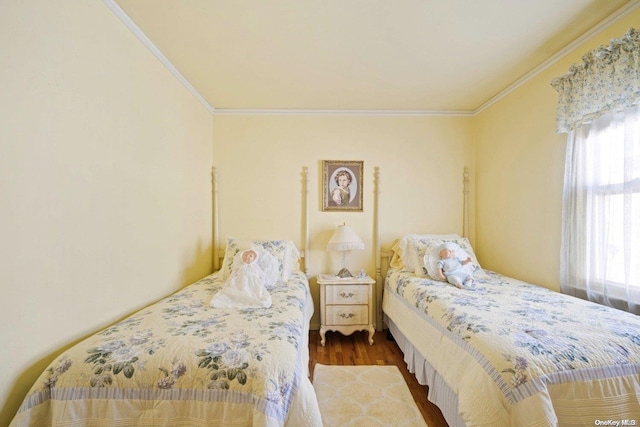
point(218, 249)
point(384, 255)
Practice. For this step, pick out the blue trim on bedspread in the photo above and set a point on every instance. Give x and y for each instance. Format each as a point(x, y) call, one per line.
point(266, 407)
point(546, 339)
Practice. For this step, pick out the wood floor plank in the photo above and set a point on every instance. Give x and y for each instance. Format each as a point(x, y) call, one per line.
point(354, 349)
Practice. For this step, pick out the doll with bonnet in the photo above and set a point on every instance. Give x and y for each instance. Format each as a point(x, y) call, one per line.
point(246, 286)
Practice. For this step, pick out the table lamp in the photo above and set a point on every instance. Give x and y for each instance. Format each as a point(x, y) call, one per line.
point(344, 239)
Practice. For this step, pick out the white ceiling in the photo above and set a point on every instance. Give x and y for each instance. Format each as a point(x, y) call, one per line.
point(400, 55)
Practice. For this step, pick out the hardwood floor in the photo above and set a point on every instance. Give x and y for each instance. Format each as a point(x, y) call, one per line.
point(355, 350)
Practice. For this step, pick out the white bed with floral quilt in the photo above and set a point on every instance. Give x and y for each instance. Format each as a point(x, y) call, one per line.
point(507, 353)
point(181, 362)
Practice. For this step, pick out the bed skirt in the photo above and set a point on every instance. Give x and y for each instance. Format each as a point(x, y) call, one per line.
point(439, 392)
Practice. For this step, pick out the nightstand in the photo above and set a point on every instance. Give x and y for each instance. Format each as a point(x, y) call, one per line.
point(346, 305)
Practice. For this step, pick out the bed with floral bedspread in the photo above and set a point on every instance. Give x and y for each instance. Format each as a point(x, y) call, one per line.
point(518, 354)
point(182, 362)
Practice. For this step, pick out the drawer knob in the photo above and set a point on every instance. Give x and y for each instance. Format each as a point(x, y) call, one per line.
point(347, 294)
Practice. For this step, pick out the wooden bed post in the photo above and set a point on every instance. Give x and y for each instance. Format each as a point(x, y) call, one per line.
point(465, 203)
point(376, 245)
point(214, 218)
point(305, 220)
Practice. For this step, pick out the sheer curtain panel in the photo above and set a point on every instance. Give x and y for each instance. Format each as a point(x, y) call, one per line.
point(600, 254)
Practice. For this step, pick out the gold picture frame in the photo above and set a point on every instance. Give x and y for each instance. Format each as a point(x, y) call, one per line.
point(342, 185)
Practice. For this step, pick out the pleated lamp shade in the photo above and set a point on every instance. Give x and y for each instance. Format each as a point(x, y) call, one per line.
point(345, 239)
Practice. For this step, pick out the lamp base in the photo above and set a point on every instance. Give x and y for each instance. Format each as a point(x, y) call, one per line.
point(344, 273)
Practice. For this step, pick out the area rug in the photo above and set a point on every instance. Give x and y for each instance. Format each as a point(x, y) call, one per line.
point(364, 396)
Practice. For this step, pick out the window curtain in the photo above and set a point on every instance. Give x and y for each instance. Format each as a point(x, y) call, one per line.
point(598, 109)
point(600, 252)
point(607, 80)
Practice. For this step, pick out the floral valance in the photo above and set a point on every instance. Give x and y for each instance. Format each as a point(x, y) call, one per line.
point(608, 79)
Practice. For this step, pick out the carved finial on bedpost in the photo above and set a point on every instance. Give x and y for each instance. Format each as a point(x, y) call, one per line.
point(214, 217)
point(465, 207)
point(305, 220)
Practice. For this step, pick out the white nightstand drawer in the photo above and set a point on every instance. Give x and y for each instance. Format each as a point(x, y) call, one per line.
point(347, 294)
point(347, 314)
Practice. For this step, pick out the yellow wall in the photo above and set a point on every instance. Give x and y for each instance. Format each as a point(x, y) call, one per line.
point(260, 158)
point(519, 173)
point(516, 160)
point(104, 175)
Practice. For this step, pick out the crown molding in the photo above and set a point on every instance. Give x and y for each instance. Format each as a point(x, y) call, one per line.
point(329, 112)
point(607, 22)
point(610, 20)
point(128, 22)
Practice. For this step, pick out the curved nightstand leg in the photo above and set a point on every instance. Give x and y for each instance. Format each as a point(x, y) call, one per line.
point(322, 332)
point(372, 331)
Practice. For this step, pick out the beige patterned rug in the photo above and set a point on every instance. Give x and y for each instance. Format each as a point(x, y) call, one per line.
point(364, 396)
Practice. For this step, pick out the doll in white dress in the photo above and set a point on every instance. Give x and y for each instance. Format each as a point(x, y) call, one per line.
point(245, 287)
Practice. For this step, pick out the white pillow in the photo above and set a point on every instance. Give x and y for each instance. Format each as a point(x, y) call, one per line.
point(405, 247)
point(426, 252)
point(284, 251)
point(269, 266)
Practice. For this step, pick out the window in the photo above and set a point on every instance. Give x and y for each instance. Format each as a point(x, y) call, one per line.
point(598, 103)
point(616, 204)
point(601, 216)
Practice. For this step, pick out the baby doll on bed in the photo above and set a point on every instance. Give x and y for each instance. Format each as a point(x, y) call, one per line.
point(247, 285)
point(452, 269)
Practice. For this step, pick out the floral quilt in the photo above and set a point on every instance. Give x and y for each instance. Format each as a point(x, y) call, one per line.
point(528, 338)
point(182, 351)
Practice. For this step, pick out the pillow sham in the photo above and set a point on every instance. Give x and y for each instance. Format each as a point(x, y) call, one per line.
point(403, 257)
point(396, 258)
point(270, 266)
point(284, 251)
point(426, 255)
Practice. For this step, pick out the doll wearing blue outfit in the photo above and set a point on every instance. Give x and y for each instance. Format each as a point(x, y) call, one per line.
point(452, 269)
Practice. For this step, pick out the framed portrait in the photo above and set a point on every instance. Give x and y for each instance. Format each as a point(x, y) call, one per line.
point(342, 185)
